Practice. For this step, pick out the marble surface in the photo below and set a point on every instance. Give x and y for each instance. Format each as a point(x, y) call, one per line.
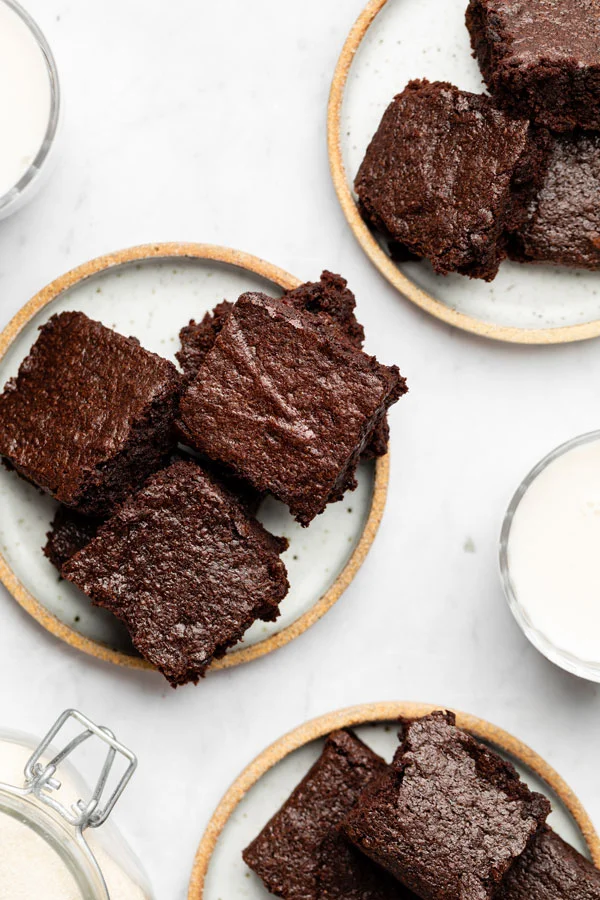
point(206, 121)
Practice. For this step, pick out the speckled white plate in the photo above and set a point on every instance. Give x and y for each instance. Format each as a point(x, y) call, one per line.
point(392, 42)
point(151, 292)
point(219, 871)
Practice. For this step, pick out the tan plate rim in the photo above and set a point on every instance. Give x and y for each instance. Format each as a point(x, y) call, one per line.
point(378, 257)
point(239, 260)
point(378, 713)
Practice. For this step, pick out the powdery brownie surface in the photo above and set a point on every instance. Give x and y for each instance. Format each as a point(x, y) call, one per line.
point(550, 869)
point(450, 817)
point(330, 296)
point(541, 57)
point(90, 414)
point(564, 221)
point(299, 854)
point(447, 174)
point(287, 403)
point(187, 569)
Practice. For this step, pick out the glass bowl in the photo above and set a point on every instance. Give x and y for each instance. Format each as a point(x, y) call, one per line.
point(584, 668)
point(32, 179)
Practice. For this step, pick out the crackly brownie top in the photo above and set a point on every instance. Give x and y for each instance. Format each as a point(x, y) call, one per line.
point(185, 567)
point(550, 869)
point(527, 32)
point(285, 402)
point(287, 853)
point(437, 174)
point(564, 225)
point(76, 399)
point(449, 817)
point(330, 296)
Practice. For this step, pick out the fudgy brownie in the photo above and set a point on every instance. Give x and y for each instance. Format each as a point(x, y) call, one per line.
point(90, 414)
point(187, 569)
point(287, 404)
point(541, 57)
point(551, 869)
point(345, 873)
point(299, 854)
point(69, 533)
point(330, 296)
point(447, 174)
point(449, 817)
point(564, 222)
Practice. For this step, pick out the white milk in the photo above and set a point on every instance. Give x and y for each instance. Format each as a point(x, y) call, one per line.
point(29, 867)
point(25, 98)
point(554, 552)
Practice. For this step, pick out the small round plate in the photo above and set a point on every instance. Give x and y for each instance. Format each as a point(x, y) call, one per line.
point(260, 790)
point(151, 292)
point(392, 42)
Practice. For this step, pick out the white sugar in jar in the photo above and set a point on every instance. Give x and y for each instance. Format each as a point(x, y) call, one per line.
point(550, 556)
point(29, 106)
point(51, 842)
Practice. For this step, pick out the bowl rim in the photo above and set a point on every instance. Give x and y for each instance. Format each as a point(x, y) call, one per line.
point(35, 168)
point(386, 266)
point(270, 272)
point(586, 669)
point(379, 713)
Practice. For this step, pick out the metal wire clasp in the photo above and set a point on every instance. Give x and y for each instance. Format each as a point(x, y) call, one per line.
point(40, 780)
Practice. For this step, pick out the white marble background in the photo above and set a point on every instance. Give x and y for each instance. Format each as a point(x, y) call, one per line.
point(205, 121)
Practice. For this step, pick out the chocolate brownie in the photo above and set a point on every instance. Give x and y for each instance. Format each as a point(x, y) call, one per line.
point(69, 533)
point(287, 404)
point(449, 817)
point(447, 174)
point(541, 57)
point(185, 567)
point(564, 222)
point(90, 414)
point(299, 854)
point(551, 869)
point(344, 873)
point(330, 296)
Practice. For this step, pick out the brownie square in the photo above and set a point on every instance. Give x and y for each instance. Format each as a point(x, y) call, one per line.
point(89, 415)
point(541, 57)
point(329, 296)
point(299, 854)
point(550, 869)
point(287, 403)
point(563, 227)
point(69, 533)
point(447, 174)
point(185, 567)
point(449, 817)
point(344, 873)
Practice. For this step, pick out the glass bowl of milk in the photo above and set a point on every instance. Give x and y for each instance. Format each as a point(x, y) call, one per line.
point(29, 106)
point(54, 842)
point(550, 556)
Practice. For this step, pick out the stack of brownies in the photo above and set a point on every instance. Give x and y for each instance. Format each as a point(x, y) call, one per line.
point(466, 180)
point(276, 396)
point(449, 819)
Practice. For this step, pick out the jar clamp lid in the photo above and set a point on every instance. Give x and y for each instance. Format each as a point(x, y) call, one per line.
point(37, 799)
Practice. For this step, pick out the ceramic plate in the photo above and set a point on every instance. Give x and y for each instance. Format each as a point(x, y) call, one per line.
point(219, 870)
point(392, 42)
point(150, 292)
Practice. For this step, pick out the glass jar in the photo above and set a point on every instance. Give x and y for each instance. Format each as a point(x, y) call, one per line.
point(29, 107)
point(49, 845)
